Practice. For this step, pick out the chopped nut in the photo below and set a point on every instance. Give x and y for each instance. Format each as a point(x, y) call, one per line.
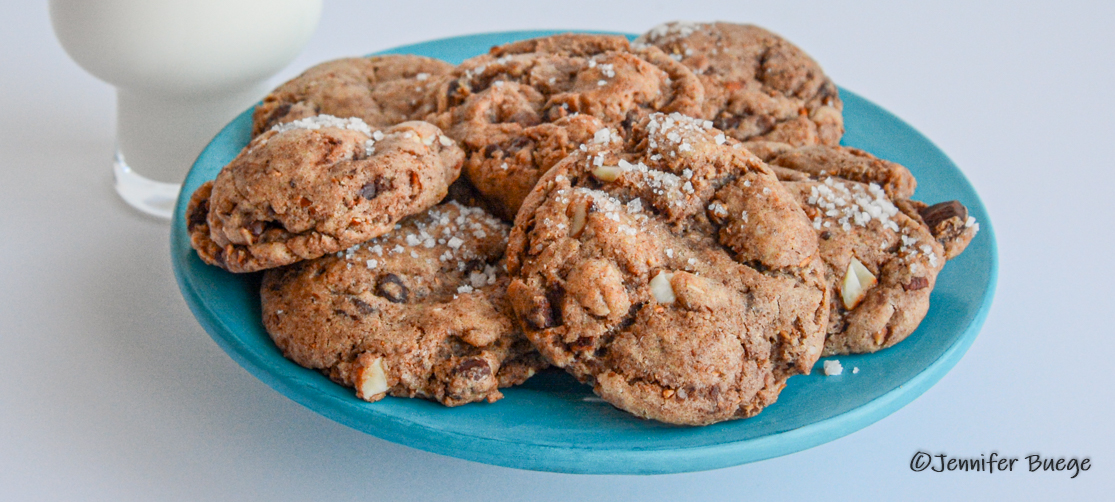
point(598, 287)
point(580, 212)
point(607, 173)
point(856, 283)
point(661, 289)
point(372, 381)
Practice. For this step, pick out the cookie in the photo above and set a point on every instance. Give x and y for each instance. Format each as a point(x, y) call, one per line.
point(380, 90)
point(672, 272)
point(852, 164)
point(882, 251)
point(418, 312)
point(317, 186)
point(521, 108)
point(758, 86)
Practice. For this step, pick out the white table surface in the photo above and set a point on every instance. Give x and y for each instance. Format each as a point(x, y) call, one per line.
point(110, 390)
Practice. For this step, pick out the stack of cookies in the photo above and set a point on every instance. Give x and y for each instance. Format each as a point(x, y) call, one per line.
point(670, 220)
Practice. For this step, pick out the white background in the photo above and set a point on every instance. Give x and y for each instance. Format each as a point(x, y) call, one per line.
point(109, 390)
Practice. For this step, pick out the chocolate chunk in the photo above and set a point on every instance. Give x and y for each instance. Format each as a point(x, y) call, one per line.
point(474, 264)
point(629, 121)
point(451, 92)
point(199, 216)
point(256, 228)
point(727, 122)
point(369, 191)
point(518, 143)
point(392, 288)
point(363, 306)
point(539, 317)
point(277, 114)
point(935, 214)
point(556, 296)
point(546, 311)
point(474, 369)
point(916, 283)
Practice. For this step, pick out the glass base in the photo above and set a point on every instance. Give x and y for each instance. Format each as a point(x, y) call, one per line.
point(151, 197)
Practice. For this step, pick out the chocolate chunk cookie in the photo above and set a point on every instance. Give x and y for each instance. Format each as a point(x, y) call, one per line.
point(758, 86)
point(521, 108)
point(672, 272)
point(317, 186)
point(882, 251)
point(380, 90)
point(418, 312)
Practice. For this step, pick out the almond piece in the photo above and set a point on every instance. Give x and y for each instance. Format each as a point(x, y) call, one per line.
point(580, 212)
point(856, 283)
point(661, 289)
point(372, 381)
point(607, 173)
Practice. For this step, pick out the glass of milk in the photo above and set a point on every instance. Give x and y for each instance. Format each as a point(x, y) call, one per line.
point(182, 70)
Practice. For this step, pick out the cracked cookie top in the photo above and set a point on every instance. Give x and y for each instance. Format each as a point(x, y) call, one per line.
point(417, 312)
point(672, 272)
point(317, 186)
point(521, 108)
point(758, 86)
point(380, 90)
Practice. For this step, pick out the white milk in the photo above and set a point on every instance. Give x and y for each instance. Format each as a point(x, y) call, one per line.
point(182, 69)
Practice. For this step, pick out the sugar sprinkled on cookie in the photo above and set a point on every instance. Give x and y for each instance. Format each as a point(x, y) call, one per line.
point(882, 251)
point(523, 107)
point(417, 312)
point(683, 283)
point(316, 186)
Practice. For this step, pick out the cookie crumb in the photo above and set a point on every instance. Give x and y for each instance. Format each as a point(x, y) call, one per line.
point(833, 368)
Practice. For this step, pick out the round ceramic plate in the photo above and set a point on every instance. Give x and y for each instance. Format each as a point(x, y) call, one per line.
point(553, 423)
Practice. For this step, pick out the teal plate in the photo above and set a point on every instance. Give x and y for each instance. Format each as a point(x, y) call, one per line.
point(553, 423)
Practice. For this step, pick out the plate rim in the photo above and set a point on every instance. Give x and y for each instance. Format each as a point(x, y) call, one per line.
point(588, 458)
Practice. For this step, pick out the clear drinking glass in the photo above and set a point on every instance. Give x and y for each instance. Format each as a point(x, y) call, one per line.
point(182, 69)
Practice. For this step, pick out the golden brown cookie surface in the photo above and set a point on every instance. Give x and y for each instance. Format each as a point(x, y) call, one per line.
point(380, 90)
point(418, 312)
point(882, 251)
point(521, 108)
point(758, 86)
point(672, 272)
point(317, 186)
